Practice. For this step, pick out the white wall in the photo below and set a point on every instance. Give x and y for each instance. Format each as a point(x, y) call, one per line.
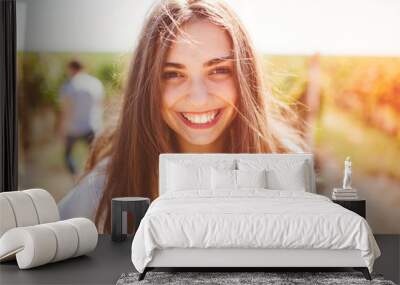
point(82, 25)
point(354, 27)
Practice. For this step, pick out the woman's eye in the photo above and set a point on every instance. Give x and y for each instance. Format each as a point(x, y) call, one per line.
point(220, 70)
point(171, 75)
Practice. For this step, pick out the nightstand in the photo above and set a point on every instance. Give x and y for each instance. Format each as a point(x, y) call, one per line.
point(120, 207)
point(357, 206)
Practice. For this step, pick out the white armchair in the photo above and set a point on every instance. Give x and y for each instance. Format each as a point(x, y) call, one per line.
point(31, 232)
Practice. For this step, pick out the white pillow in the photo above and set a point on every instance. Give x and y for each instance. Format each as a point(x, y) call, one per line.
point(204, 161)
point(252, 178)
point(223, 179)
point(182, 177)
point(236, 179)
point(282, 174)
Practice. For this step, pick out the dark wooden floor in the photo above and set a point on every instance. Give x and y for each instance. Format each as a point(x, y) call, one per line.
point(389, 262)
point(110, 260)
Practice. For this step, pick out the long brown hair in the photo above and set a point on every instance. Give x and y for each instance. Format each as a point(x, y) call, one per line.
point(133, 146)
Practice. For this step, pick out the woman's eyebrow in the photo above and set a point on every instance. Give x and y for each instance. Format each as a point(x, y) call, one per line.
point(174, 64)
point(217, 60)
point(210, 62)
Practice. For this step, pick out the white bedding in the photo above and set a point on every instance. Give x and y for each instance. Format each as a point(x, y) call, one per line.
point(250, 218)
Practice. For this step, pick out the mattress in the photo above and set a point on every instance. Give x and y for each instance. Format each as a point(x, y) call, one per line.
point(250, 219)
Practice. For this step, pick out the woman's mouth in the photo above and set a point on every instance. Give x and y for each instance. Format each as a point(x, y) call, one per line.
point(201, 120)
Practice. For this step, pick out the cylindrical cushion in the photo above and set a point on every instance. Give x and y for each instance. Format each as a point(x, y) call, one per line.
point(41, 244)
point(26, 208)
point(67, 239)
point(87, 234)
point(46, 206)
point(7, 218)
point(33, 246)
point(23, 208)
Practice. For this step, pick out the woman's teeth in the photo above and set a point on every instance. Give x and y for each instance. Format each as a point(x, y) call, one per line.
point(202, 118)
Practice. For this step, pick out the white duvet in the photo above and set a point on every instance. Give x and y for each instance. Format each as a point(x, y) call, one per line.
point(251, 218)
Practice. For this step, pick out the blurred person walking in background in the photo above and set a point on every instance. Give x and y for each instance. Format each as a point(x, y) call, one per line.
point(81, 100)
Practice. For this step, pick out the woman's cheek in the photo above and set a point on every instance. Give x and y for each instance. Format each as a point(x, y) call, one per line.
point(226, 90)
point(170, 97)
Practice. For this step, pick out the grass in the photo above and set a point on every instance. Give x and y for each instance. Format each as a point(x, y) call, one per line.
point(372, 151)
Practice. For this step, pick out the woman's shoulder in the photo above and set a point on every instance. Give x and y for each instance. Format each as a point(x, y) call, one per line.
point(95, 179)
point(83, 199)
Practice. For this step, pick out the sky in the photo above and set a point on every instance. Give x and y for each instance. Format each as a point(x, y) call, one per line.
point(331, 27)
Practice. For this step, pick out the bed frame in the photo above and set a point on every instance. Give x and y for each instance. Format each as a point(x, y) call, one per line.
point(260, 259)
point(248, 259)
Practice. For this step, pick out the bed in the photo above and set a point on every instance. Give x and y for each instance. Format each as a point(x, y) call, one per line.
point(247, 211)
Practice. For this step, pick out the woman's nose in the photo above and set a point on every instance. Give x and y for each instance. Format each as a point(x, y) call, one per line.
point(198, 94)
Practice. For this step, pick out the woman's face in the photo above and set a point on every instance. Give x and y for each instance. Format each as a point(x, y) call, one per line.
point(199, 90)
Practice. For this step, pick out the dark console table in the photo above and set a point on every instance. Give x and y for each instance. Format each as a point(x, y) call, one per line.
point(110, 259)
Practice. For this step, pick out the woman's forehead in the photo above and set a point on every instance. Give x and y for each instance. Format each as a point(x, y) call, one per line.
point(200, 40)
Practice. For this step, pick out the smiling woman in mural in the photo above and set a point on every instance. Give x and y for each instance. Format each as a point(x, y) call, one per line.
point(195, 85)
point(199, 93)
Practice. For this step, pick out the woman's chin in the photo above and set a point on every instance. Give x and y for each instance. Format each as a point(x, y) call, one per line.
point(199, 143)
